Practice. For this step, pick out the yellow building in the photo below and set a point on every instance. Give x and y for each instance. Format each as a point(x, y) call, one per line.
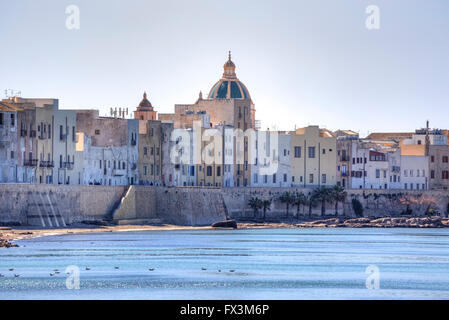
point(313, 157)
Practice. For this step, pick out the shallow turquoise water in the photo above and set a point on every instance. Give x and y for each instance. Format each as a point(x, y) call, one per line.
point(268, 264)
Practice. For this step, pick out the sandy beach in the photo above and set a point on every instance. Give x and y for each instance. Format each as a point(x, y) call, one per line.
point(11, 233)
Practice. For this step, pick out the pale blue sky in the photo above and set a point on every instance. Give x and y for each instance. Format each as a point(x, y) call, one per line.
point(304, 62)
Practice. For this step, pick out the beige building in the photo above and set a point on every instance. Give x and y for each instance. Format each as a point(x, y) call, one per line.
point(439, 167)
point(344, 156)
point(46, 142)
point(108, 148)
point(313, 157)
point(8, 143)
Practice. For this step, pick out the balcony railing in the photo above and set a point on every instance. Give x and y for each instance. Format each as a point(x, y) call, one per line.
point(118, 172)
point(396, 169)
point(344, 158)
point(30, 163)
point(46, 164)
point(67, 165)
point(23, 133)
point(344, 174)
point(43, 136)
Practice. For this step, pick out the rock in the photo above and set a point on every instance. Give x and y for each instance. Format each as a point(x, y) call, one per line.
point(6, 244)
point(225, 224)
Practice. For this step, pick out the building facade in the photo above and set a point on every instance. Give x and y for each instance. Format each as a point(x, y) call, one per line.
point(313, 157)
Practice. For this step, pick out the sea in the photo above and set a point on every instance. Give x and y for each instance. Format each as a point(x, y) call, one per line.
point(279, 264)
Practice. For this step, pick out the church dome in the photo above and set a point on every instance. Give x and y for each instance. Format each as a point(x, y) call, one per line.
point(229, 86)
point(145, 104)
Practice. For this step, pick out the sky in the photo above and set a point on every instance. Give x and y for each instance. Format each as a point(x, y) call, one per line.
point(303, 62)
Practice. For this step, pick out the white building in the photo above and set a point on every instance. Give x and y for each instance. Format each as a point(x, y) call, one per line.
point(370, 168)
point(414, 171)
point(272, 162)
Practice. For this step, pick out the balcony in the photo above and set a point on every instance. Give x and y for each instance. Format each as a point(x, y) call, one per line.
point(67, 165)
point(396, 169)
point(344, 174)
point(43, 136)
point(23, 133)
point(30, 163)
point(344, 158)
point(46, 164)
point(118, 172)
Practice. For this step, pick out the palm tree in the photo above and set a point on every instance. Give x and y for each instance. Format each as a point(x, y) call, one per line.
point(339, 194)
point(288, 198)
point(300, 200)
point(266, 204)
point(311, 201)
point(324, 195)
point(255, 204)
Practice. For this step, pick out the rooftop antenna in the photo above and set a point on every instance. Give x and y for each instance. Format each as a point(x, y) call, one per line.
point(427, 138)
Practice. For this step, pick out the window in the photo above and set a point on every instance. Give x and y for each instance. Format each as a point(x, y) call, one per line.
point(73, 134)
point(218, 171)
point(145, 151)
point(255, 177)
point(274, 178)
point(445, 158)
point(324, 151)
point(445, 175)
point(12, 154)
point(285, 177)
point(209, 171)
point(405, 186)
point(311, 152)
point(2, 115)
point(97, 132)
point(49, 131)
point(323, 178)
point(377, 173)
point(311, 178)
point(192, 171)
point(432, 174)
point(145, 170)
point(13, 121)
point(297, 152)
point(432, 158)
point(265, 178)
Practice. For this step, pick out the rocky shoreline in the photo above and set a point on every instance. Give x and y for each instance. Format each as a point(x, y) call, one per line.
point(387, 222)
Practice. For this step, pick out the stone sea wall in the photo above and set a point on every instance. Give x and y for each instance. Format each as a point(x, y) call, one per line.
point(56, 205)
point(375, 203)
